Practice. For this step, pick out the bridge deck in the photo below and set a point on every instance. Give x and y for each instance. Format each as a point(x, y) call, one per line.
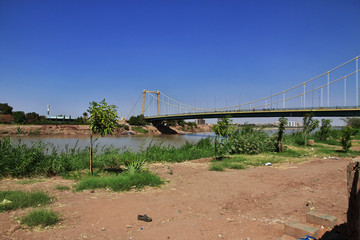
point(319, 112)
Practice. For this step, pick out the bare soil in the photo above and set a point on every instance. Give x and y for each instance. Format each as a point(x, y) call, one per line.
point(195, 204)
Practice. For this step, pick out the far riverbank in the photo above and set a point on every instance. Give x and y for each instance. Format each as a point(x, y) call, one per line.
point(76, 130)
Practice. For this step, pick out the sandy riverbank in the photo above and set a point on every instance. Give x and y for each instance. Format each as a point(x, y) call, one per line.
point(74, 130)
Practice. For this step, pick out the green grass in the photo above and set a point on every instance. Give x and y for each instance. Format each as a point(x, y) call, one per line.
point(10, 200)
point(139, 129)
point(29, 181)
point(62, 187)
point(40, 217)
point(122, 182)
point(20, 160)
point(242, 161)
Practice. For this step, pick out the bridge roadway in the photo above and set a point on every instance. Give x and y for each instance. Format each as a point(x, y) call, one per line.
point(318, 112)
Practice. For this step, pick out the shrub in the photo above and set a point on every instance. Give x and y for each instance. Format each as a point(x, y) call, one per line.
point(347, 132)
point(248, 141)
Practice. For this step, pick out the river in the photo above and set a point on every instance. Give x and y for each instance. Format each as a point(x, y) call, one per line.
point(134, 143)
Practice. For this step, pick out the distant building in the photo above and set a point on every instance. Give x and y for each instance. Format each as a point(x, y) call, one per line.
point(200, 121)
point(290, 124)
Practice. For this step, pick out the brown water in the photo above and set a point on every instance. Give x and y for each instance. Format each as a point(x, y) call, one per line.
point(134, 143)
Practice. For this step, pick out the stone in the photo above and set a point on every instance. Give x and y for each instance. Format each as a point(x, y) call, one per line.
point(321, 219)
point(311, 142)
point(297, 230)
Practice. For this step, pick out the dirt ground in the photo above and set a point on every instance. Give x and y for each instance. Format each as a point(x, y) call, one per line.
point(195, 204)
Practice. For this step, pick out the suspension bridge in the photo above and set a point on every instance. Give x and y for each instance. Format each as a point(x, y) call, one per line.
point(336, 94)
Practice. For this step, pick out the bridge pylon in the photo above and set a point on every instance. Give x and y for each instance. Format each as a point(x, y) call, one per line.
point(143, 101)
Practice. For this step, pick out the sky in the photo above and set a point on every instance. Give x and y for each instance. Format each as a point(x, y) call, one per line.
point(67, 53)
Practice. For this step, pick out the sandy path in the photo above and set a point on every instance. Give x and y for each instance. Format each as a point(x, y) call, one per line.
point(196, 204)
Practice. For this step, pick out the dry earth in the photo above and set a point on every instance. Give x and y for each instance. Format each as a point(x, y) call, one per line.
point(195, 204)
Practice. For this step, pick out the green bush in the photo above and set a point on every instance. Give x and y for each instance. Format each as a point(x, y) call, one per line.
point(40, 217)
point(137, 120)
point(248, 141)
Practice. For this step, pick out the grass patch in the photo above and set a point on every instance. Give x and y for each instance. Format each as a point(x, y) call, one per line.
point(217, 167)
point(122, 182)
point(29, 181)
point(139, 129)
point(10, 200)
point(40, 217)
point(243, 161)
point(62, 187)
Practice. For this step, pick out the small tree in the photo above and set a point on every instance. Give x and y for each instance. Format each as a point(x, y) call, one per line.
point(309, 125)
point(103, 120)
point(32, 117)
point(5, 108)
point(222, 128)
point(19, 117)
point(283, 122)
point(346, 133)
point(325, 128)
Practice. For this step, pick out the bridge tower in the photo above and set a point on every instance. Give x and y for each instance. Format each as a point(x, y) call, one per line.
point(143, 101)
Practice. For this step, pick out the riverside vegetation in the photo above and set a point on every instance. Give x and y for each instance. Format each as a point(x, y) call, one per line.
point(237, 148)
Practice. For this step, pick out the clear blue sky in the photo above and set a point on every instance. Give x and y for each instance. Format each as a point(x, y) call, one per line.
point(66, 53)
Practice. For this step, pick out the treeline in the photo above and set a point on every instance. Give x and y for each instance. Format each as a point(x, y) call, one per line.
point(8, 116)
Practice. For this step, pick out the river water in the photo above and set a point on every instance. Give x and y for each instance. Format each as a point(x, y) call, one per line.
point(134, 143)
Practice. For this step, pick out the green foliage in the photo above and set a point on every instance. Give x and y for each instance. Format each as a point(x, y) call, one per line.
point(19, 117)
point(353, 122)
point(21, 160)
point(122, 182)
point(10, 200)
point(5, 108)
point(103, 118)
point(325, 128)
point(248, 140)
point(139, 129)
point(222, 128)
point(40, 217)
point(294, 138)
point(347, 133)
point(138, 120)
point(279, 146)
point(32, 117)
point(135, 165)
point(217, 167)
point(309, 125)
